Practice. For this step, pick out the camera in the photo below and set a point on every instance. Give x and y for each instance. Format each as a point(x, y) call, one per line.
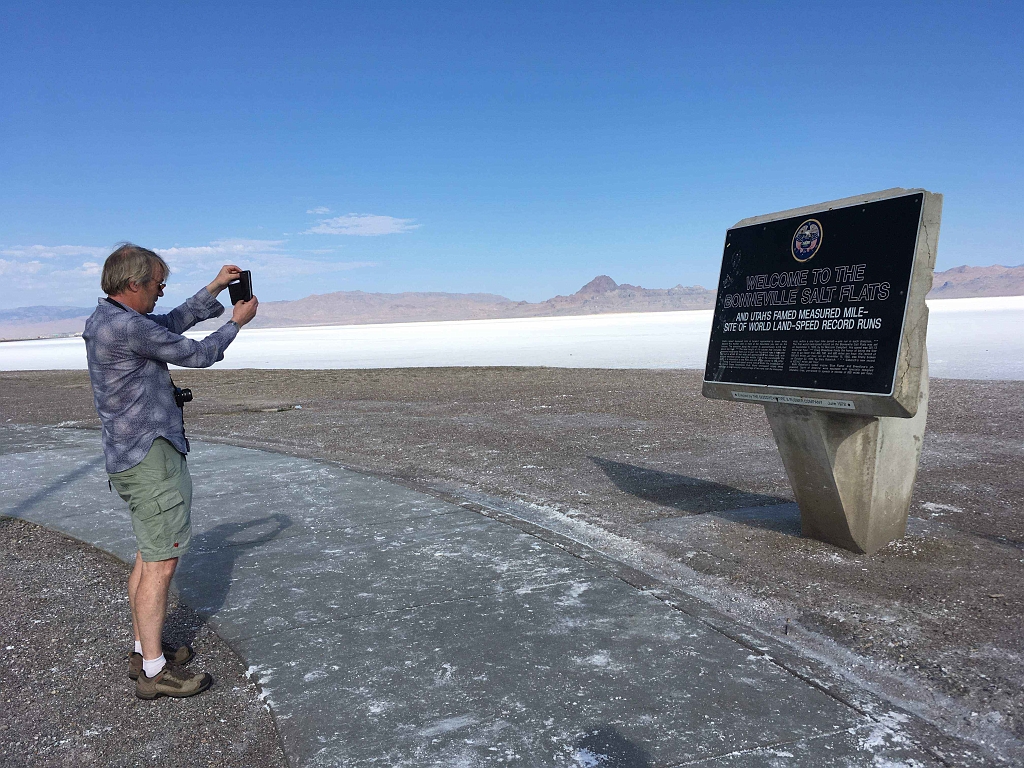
point(182, 395)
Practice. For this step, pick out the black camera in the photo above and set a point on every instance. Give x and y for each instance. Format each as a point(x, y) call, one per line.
point(182, 395)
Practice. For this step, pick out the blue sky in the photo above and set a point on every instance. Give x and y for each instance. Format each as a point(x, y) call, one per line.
point(515, 148)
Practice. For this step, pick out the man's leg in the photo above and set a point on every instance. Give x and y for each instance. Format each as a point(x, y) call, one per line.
point(149, 607)
point(159, 493)
point(159, 675)
point(158, 678)
point(133, 587)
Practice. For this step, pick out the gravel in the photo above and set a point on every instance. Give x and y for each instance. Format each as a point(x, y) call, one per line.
point(65, 696)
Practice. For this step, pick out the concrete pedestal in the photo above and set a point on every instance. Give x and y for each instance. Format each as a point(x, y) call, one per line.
point(853, 476)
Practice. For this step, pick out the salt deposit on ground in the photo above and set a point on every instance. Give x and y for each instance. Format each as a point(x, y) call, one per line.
point(967, 338)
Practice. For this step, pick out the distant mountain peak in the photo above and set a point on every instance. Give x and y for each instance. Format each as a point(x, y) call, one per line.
point(600, 284)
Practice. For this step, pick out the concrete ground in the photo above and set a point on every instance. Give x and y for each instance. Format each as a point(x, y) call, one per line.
point(638, 464)
point(387, 626)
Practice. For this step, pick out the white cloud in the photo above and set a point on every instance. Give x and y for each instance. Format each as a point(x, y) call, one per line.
point(271, 262)
point(69, 274)
point(75, 274)
point(320, 210)
point(283, 267)
point(54, 251)
point(362, 224)
point(267, 257)
point(19, 268)
point(217, 253)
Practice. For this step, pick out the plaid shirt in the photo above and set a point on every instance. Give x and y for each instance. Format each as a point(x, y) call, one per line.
point(128, 355)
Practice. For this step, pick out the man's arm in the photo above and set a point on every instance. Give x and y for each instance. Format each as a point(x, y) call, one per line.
point(150, 339)
point(202, 306)
point(196, 308)
point(153, 340)
point(228, 274)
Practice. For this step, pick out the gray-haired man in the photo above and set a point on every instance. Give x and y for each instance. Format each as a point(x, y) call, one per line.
point(144, 437)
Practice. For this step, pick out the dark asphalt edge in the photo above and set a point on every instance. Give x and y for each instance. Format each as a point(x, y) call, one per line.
point(107, 555)
point(259, 688)
point(111, 556)
point(948, 749)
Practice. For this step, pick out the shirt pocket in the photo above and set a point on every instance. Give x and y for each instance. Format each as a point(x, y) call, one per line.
point(169, 499)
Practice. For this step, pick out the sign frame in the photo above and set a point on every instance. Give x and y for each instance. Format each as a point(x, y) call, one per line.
point(902, 399)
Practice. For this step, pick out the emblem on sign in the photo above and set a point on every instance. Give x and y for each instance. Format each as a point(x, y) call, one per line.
point(806, 240)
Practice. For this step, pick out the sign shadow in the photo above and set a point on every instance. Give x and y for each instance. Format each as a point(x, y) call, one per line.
point(694, 496)
point(687, 494)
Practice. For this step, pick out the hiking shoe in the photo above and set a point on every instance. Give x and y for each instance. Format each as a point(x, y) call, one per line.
point(181, 656)
point(171, 681)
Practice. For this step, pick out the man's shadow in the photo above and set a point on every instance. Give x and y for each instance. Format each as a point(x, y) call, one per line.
point(206, 570)
point(605, 747)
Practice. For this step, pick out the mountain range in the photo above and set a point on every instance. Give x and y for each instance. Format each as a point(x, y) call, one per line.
point(600, 295)
point(967, 282)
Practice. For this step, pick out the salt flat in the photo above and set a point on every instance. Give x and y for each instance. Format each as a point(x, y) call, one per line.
point(978, 338)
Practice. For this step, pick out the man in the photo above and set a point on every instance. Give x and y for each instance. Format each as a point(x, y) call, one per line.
point(144, 437)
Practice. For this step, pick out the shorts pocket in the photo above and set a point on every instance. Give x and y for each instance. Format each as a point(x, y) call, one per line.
point(169, 499)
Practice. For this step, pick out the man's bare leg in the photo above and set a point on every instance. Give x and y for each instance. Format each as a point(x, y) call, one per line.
point(147, 592)
point(133, 586)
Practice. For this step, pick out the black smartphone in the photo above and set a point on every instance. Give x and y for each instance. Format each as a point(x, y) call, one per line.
point(241, 289)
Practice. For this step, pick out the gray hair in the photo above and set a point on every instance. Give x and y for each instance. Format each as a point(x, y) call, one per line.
point(130, 263)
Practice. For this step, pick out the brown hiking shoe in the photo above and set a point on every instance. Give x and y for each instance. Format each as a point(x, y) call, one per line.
point(181, 656)
point(171, 681)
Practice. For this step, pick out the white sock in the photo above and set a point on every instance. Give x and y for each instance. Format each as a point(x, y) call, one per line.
point(153, 666)
point(138, 646)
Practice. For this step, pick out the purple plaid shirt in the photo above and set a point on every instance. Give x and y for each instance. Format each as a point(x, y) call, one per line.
point(128, 355)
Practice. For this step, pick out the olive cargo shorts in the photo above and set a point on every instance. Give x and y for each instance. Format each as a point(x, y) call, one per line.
point(159, 493)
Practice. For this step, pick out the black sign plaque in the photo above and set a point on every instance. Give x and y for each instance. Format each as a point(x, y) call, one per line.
point(816, 301)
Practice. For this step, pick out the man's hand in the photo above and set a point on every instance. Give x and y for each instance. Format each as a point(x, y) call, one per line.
point(228, 274)
point(244, 311)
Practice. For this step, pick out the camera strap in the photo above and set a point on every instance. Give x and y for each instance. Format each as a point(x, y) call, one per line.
point(181, 407)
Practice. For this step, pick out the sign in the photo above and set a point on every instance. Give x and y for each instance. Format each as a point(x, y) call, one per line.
point(817, 301)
